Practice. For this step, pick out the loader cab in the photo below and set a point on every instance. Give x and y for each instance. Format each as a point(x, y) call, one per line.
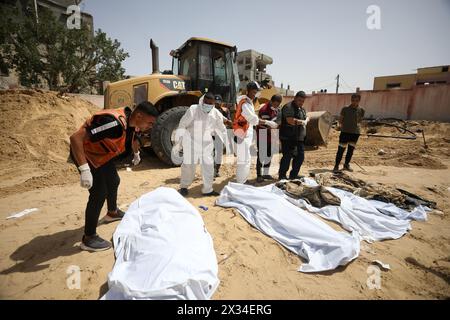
point(207, 65)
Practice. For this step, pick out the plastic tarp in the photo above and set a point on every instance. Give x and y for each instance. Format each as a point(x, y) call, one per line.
point(163, 251)
point(373, 220)
point(298, 230)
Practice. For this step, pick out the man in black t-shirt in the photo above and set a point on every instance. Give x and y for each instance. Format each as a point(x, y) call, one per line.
point(293, 121)
point(350, 119)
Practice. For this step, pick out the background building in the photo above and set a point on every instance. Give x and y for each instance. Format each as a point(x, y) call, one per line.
point(252, 67)
point(8, 77)
point(424, 76)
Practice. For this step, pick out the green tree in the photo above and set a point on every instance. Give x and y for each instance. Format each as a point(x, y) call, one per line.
point(97, 58)
point(46, 52)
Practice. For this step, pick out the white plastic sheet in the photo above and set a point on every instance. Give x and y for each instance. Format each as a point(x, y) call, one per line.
point(373, 220)
point(22, 213)
point(163, 251)
point(299, 231)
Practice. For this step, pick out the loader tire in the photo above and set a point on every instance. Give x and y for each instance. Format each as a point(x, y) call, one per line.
point(162, 130)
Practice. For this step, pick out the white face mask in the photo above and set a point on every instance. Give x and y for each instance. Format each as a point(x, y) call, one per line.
point(207, 107)
point(258, 94)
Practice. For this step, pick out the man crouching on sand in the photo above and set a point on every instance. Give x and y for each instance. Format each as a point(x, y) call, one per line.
point(94, 147)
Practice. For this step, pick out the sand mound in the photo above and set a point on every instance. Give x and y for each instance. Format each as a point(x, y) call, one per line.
point(34, 142)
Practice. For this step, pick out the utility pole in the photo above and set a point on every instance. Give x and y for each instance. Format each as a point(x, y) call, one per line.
point(36, 11)
point(337, 83)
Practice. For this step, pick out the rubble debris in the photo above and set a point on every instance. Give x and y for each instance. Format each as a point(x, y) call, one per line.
point(317, 196)
point(372, 191)
point(384, 266)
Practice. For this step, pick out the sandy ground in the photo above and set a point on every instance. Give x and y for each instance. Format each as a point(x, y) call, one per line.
point(38, 250)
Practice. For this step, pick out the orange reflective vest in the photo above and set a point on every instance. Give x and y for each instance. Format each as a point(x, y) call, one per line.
point(100, 152)
point(240, 124)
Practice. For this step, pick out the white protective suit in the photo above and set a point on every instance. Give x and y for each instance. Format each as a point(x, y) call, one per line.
point(196, 129)
point(243, 146)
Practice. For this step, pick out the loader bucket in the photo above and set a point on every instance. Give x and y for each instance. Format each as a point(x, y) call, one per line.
point(318, 128)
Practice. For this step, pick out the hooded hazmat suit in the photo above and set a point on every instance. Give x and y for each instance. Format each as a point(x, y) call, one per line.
point(194, 133)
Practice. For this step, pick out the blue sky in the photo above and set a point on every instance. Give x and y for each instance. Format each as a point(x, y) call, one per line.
point(309, 41)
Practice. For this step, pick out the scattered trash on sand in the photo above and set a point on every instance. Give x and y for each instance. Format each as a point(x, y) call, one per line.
point(437, 212)
point(225, 257)
point(383, 266)
point(22, 213)
point(204, 208)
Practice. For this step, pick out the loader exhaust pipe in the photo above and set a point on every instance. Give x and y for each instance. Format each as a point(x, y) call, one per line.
point(155, 56)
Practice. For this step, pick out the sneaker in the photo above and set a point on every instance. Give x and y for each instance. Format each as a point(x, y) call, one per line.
point(336, 169)
point(94, 243)
point(212, 193)
point(184, 192)
point(347, 167)
point(259, 179)
point(282, 178)
point(114, 216)
point(295, 178)
point(268, 177)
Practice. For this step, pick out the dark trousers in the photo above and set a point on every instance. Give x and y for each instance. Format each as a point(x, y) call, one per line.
point(348, 156)
point(106, 182)
point(346, 138)
point(291, 150)
point(263, 155)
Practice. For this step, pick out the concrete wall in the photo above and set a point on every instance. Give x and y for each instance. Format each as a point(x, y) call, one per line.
point(430, 102)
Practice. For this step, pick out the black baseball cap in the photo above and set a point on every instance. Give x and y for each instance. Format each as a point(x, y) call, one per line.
point(252, 85)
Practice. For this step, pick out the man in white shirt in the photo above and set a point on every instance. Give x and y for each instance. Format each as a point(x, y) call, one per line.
point(244, 121)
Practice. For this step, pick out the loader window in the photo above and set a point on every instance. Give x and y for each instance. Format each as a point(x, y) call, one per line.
point(175, 65)
point(188, 64)
point(205, 69)
point(139, 93)
point(232, 70)
point(220, 74)
point(222, 64)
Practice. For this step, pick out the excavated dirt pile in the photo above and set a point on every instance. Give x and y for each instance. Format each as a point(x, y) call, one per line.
point(35, 127)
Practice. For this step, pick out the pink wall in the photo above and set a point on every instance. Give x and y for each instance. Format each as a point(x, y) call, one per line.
point(430, 102)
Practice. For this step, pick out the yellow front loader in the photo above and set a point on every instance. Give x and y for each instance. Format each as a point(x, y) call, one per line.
point(198, 66)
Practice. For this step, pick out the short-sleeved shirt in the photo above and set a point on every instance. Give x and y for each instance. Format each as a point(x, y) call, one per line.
point(351, 119)
point(267, 113)
point(292, 132)
point(105, 126)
